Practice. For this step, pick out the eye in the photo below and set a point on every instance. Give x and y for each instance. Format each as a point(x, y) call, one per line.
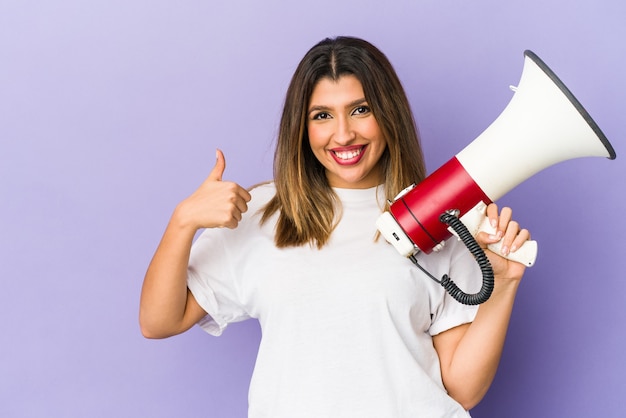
point(361, 110)
point(321, 116)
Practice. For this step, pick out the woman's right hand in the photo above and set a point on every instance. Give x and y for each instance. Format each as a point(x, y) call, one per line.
point(167, 307)
point(216, 203)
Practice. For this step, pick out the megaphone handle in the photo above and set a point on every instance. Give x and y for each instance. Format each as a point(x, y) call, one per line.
point(475, 220)
point(526, 254)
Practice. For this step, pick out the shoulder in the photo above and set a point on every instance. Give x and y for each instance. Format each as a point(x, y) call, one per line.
point(261, 194)
point(266, 187)
point(263, 187)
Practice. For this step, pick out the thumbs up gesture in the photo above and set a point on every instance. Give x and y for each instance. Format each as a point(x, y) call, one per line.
point(216, 203)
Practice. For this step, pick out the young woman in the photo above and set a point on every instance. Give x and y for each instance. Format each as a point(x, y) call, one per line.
point(350, 328)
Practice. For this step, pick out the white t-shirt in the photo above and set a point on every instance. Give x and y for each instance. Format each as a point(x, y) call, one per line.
point(346, 330)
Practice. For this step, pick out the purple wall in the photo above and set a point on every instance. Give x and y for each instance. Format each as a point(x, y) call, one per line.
point(110, 112)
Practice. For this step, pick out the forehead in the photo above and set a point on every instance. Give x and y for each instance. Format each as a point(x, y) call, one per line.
point(331, 93)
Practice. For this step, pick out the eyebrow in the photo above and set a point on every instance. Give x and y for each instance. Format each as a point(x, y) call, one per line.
point(351, 104)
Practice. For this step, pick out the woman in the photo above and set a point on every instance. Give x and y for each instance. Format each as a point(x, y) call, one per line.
point(349, 327)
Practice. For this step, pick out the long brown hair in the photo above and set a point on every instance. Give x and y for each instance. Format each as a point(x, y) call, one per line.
point(304, 200)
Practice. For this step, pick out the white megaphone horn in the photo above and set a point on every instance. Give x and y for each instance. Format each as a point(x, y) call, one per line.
point(542, 125)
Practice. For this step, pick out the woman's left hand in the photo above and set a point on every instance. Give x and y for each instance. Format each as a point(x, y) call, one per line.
point(469, 353)
point(512, 236)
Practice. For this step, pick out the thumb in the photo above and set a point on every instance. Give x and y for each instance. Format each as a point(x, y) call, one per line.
point(220, 166)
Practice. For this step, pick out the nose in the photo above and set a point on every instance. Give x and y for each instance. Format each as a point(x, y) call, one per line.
point(344, 133)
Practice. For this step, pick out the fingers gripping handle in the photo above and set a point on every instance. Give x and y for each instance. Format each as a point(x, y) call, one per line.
point(476, 221)
point(526, 254)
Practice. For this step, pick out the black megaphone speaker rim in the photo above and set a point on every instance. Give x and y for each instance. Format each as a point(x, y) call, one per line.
point(579, 107)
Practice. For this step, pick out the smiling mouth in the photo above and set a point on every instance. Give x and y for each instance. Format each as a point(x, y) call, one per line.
point(348, 156)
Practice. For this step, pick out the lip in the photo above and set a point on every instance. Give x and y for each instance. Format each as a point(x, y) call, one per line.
point(348, 155)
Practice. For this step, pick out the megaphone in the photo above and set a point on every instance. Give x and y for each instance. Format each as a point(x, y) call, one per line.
point(542, 125)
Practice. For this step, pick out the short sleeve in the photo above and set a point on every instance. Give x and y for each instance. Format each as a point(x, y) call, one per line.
point(212, 282)
point(462, 268)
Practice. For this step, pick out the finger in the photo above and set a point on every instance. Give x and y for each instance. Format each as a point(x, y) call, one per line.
point(492, 214)
point(241, 204)
point(484, 239)
point(220, 165)
point(244, 194)
point(236, 215)
point(229, 217)
point(236, 195)
point(506, 214)
point(510, 234)
point(522, 237)
point(232, 223)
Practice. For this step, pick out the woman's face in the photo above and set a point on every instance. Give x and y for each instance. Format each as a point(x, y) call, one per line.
point(344, 135)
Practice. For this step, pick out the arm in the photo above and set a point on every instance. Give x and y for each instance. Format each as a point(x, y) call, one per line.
point(470, 354)
point(167, 307)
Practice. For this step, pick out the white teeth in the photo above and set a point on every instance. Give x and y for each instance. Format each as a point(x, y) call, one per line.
point(346, 155)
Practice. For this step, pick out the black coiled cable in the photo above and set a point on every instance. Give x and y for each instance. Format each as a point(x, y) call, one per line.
point(481, 258)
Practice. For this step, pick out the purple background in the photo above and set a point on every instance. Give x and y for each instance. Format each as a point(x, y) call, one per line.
point(110, 112)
